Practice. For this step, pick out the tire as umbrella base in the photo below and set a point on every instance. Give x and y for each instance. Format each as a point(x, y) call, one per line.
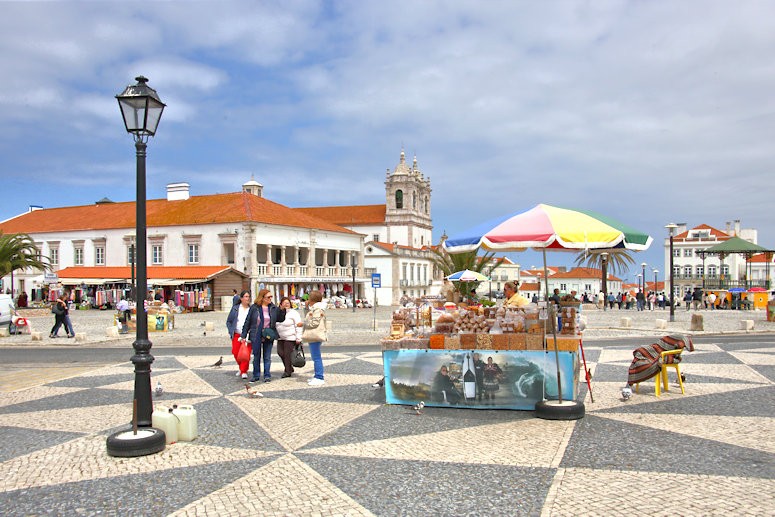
point(553, 410)
point(125, 444)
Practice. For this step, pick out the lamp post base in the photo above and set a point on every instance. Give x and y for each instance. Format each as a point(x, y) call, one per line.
point(127, 444)
point(556, 410)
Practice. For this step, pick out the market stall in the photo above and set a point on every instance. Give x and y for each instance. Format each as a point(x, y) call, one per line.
point(485, 358)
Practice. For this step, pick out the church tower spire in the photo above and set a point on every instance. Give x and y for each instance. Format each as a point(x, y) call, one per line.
point(408, 204)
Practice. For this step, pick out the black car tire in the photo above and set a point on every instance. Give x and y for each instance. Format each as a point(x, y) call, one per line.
point(553, 410)
point(125, 444)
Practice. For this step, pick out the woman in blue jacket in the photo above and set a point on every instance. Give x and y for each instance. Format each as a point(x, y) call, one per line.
point(260, 329)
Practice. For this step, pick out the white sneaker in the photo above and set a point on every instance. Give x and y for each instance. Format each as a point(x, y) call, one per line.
point(316, 382)
point(244, 375)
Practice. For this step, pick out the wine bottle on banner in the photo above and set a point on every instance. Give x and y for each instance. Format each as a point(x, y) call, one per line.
point(469, 378)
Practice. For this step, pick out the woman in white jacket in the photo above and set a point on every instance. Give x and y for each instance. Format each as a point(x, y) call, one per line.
point(316, 319)
point(289, 331)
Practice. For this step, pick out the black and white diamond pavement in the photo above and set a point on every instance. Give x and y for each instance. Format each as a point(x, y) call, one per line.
point(338, 449)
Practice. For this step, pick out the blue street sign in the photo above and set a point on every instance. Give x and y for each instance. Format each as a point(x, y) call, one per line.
point(376, 280)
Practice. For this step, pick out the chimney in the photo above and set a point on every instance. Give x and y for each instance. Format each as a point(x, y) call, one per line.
point(737, 227)
point(729, 228)
point(178, 191)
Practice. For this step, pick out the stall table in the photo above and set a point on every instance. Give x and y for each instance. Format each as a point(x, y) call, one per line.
point(524, 371)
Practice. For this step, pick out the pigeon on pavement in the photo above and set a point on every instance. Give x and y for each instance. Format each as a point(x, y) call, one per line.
point(418, 407)
point(218, 363)
point(159, 390)
point(626, 393)
point(253, 392)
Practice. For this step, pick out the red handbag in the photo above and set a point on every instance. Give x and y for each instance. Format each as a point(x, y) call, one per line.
point(243, 354)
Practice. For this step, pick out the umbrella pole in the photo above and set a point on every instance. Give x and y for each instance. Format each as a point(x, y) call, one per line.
point(553, 318)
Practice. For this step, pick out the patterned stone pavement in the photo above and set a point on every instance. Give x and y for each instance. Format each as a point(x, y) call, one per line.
point(339, 450)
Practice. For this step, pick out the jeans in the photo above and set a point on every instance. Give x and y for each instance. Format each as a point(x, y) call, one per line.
point(317, 360)
point(264, 347)
point(69, 326)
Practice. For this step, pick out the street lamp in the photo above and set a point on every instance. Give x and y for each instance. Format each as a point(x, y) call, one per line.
point(639, 284)
point(604, 260)
point(355, 267)
point(643, 267)
point(671, 228)
point(141, 109)
point(655, 280)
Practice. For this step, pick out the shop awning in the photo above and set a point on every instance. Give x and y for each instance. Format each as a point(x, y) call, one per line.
point(157, 275)
point(165, 282)
point(93, 281)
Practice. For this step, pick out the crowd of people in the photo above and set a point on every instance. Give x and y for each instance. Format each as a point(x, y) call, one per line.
point(260, 323)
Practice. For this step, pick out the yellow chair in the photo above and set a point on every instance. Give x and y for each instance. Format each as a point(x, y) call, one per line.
point(662, 375)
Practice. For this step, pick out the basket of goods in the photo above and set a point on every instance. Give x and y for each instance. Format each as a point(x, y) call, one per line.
point(470, 322)
point(569, 301)
point(445, 323)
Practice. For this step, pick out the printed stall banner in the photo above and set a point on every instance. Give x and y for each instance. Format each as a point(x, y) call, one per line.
point(477, 379)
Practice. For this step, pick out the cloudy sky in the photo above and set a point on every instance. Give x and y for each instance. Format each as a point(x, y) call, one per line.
point(649, 112)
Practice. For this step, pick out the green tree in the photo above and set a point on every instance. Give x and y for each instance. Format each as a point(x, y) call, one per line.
point(449, 263)
point(18, 251)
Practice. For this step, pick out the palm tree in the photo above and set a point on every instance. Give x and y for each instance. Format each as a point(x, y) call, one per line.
point(617, 260)
point(451, 263)
point(18, 251)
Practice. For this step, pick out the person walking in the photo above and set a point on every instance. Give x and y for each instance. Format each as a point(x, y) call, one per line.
point(58, 309)
point(640, 299)
point(260, 328)
point(234, 322)
point(697, 298)
point(314, 333)
point(289, 330)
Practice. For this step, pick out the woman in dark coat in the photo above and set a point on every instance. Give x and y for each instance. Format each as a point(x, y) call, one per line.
point(260, 329)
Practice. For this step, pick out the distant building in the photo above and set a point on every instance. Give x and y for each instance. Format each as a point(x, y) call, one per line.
point(263, 244)
point(691, 270)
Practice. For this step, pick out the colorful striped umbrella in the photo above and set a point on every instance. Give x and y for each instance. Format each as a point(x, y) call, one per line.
point(467, 276)
point(549, 227)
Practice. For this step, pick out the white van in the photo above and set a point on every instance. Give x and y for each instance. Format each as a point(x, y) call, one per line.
point(6, 309)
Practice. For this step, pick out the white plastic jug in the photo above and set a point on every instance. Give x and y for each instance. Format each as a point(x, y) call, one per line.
point(164, 419)
point(186, 420)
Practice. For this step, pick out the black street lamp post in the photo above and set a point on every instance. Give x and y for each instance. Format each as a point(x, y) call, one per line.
point(671, 228)
point(355, 267)
point(141, 109)
point(133, 288)
point(604, 260)
point(655, 280)
point(643, 267)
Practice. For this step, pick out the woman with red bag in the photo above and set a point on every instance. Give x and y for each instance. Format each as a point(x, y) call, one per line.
point(234, 324)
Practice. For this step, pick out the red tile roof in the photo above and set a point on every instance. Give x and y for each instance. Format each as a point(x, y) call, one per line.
point(393, 247)
point(355, 215)
point(582, 272)
point(154, 272)
point(715, 232)
point(235, 207)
